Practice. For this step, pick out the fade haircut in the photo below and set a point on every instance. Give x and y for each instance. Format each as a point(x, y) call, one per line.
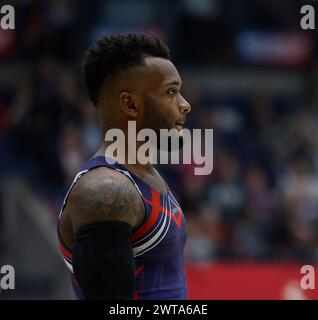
point(112, 55)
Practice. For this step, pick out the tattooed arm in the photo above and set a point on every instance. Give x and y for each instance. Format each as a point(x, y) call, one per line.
point(104, 195)
point(104, 207)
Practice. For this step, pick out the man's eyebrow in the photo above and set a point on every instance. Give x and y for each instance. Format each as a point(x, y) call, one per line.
point(171, 82)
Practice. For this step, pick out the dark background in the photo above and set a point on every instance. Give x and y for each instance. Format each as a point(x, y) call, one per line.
point(249, 71)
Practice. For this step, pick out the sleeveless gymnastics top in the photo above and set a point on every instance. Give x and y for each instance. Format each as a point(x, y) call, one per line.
point(158, 243)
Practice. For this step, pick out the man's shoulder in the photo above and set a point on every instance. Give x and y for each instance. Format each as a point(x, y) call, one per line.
point(104, 194)
point(101, 176)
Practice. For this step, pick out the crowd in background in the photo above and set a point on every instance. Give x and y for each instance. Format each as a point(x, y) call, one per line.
point(261, 200)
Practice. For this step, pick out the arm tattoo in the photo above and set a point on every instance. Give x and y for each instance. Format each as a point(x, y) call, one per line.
point(105, 195)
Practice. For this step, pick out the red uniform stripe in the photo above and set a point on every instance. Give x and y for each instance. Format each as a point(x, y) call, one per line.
point(155, 203)
point(65, 252)
point(140, 269)
point(177, 220)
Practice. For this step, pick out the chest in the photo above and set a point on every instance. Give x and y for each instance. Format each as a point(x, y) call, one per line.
point(153, 180)
point(164, 229)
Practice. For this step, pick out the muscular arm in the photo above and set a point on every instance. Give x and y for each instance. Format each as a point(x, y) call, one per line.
point(105, 195)
point(104, 208)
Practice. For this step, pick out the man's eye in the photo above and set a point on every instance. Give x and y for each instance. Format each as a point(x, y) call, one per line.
point(172, 91)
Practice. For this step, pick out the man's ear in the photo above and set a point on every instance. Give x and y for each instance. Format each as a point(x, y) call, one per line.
point(130, 103)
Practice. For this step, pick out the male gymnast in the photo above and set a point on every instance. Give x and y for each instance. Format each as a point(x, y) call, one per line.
point(121, 231)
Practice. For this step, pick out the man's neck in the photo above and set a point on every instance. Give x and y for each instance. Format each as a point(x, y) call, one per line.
point(134, 166)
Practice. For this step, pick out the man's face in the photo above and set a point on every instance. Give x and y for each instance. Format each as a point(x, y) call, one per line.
point(164, 106)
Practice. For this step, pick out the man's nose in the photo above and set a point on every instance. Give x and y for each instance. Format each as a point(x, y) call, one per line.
point(184, 106)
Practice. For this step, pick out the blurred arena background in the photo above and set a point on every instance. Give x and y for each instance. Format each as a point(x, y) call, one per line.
point(250, 73)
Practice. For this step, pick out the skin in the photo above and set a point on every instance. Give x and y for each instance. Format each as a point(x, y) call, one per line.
point(150, 95)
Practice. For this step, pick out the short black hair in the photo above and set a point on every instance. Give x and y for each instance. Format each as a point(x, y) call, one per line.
point(111, 55)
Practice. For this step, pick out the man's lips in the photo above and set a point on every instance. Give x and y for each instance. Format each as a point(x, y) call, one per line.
point(179, 125)
point(181, 122)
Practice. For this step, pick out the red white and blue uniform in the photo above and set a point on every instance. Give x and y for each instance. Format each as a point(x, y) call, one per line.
point(158, 243)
